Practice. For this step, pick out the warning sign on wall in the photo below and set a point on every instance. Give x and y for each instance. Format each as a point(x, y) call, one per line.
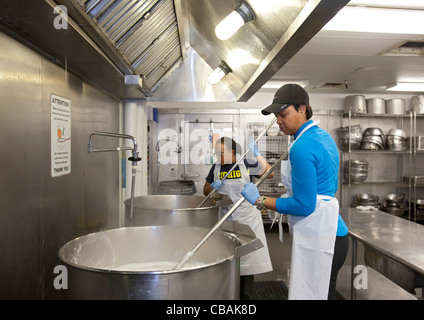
point(60, 135)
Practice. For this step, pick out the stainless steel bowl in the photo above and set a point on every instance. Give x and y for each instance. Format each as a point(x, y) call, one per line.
point(397, 148)
point(357, 163)
point(370, 145)
point(396, 143)
point(395, 140)
point(354, 170)
point(376, 139)
point(365, 199)
point(354, 144)
point(373, 132)
point(353, 131)
point(396, 211)
point(395, 197)
point(397, 132)
point(356, 177)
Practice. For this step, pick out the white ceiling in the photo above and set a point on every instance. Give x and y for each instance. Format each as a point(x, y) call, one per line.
point(353, 58)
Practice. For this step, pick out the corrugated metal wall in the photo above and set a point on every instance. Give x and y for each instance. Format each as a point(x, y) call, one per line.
point(40, 213)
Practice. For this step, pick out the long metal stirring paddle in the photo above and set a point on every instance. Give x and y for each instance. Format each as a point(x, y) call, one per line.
point(237, 162)
point(225, 217)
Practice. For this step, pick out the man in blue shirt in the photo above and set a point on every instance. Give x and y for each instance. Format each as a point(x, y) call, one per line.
point(310, 175)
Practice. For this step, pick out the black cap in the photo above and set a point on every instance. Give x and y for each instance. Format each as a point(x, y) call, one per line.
point(286, 96)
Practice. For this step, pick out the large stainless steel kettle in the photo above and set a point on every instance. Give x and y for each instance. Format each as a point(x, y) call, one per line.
point(101, 265)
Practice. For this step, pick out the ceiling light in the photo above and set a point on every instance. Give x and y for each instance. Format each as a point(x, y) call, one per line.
point(398, 4)
point(238, 58)
point(234, 21)
point(378, 20)
point(276, 84)
point(406, 86)
point(219, 73)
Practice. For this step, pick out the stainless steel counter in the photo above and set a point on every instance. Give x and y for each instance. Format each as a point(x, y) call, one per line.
point(397, 239)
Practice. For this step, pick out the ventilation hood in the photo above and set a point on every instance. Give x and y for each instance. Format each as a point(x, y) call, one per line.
point(163, 50)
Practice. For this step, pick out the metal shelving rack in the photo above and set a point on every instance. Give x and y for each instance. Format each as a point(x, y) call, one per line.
point(272, 148)
point(399, 183)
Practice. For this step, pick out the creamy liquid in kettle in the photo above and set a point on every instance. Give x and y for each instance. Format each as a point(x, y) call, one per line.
point(155, 266)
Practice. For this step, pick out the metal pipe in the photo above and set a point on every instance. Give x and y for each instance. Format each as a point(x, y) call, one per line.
point(177, 150)
point(113, 135)
point(225, 217)
point(134, 158)
point(133, 173)
point(237, 162)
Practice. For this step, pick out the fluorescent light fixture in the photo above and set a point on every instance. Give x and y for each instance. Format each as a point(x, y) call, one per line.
point(377, 20)
point(406, 86)
point(276, 84)
point(219, 73)
point(234, 21)
point(404, 4)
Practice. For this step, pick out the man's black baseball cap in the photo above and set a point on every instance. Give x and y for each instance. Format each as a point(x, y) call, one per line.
point(286, 96)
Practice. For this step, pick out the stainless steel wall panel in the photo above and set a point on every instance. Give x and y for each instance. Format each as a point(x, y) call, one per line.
point(21, 180)
point(40, 213)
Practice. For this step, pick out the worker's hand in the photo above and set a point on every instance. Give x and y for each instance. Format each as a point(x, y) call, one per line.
point(253, 148)
point(217, 184)
point(250, 192)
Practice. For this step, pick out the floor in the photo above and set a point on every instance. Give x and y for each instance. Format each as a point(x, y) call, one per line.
point(280, 253)
point(274, 285)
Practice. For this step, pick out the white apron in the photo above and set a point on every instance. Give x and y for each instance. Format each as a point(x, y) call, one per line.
point(258, 261)
point(313, 240)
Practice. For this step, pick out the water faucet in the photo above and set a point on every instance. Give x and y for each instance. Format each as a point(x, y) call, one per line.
point(134, 158)
point(177, 150)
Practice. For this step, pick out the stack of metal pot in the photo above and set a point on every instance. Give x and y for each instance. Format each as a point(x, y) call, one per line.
point(396, 140)
point(372, 139)
point(365, 199)
point(350, 135)
point(355, 171)
point(394, 204)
